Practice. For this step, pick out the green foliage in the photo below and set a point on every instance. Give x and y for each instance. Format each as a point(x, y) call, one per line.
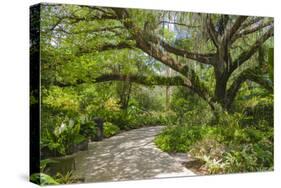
point(226, 147)
point(65, 178)
point(178, 138)
point(63, 99)
point(153, 118)
point(184, 43)
point(88, 130)
point(271, 63)
point(148, 99)
point(63, 138)
point(44, 163)
point(250, 158)
point(207, 148)
point(135, 117)
point(257, 109)
point(43, 179)
point(110, 129)
point(187, 106)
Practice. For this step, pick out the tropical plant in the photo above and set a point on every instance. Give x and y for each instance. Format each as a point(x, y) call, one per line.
point(110, 129)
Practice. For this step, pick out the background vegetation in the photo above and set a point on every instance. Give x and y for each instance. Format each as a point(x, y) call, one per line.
point(207, 77)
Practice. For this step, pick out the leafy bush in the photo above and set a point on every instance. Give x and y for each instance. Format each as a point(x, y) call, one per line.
point(43, 179)
point(178, 138)
point(134, 117)
point(66, 178)
point(154, 118)
point(258, 107)
point(187, 106)
point(110, 129)
point(225, 147)
point(88, 130)
point(250, 157)
point(223, 158)
point(207, 147)
point(63, 138)
point(122, 119)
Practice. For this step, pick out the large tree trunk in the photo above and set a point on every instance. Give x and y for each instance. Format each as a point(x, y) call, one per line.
point(220, 92)
point(221, 77)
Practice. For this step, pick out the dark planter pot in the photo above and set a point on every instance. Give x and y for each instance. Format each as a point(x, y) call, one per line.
point(99, 128)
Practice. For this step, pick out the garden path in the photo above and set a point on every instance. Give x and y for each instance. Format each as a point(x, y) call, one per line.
point(130, 155)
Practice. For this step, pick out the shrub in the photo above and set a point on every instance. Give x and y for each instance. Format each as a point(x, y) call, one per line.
point(153, 118)
point(135, 118)
point(208, 147)
point(61, 141)
point(110, 129)
point(177, 138)
point(226, 147)
point(43, 179)
point(88, 130)
point(250, 157)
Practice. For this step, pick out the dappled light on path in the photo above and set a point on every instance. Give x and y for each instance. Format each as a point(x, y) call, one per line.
point(130, 155)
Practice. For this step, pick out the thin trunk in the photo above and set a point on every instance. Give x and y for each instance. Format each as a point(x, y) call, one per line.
point(168, 91)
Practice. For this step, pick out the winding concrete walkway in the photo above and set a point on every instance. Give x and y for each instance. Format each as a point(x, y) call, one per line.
point(129, 155)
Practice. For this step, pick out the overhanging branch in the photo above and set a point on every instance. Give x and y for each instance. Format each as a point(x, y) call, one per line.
point(211, 30)
point(244, 56)
point(251, 74)
point(251, 30)
point(148, 47)
point(140, 79)
point(105, 47)
point(250, 22)
point(96, 30)
point(202, 58)
point(180, 24)
point(235, 27)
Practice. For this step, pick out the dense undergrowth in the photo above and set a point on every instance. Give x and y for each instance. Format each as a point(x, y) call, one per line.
point(237, 142)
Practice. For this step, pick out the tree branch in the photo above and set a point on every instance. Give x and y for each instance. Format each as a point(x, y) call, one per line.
point(235, 27)
point(252, 74)
point(104, 29)
point(244, 56)
point(192, 80)
point(178, 23)
point(145, 37)
point(202, 58)
point(251, 30)
point(140, 79)
point(75, 19)
point(105, 47)
point(250, 22)
point(211, 30)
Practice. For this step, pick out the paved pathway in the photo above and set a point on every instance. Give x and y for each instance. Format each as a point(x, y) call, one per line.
point(129, 155)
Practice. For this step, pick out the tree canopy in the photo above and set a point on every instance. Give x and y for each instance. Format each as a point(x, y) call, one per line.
point(212, 55)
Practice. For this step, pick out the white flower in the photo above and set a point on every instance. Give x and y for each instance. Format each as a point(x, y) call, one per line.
point(62, 127)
